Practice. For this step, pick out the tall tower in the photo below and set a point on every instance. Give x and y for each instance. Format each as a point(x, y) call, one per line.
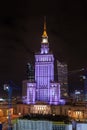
point(43, 88)
point(63, 78)
point(44, 68)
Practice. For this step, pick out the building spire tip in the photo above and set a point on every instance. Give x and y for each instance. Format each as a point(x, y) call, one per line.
point(44, 33)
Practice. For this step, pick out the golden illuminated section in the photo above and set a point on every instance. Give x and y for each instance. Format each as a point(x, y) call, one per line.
point(41, 109)
point(44, 36)
point(44, 33)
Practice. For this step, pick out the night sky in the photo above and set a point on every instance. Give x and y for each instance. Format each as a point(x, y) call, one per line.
point(21, 28)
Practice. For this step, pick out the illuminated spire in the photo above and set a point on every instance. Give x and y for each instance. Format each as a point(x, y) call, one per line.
point(44, 33)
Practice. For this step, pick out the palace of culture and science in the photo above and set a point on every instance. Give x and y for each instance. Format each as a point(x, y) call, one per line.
point(44, 88)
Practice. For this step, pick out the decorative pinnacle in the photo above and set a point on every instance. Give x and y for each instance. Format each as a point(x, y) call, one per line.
point(44, 33)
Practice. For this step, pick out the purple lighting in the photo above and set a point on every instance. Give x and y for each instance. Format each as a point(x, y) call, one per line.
point(44, 89)
point(31, 93)
point(54, 93)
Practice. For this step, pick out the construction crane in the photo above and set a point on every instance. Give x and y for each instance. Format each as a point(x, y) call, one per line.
point(9, 88)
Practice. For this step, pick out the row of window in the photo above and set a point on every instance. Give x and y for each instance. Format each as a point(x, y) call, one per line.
point(44, 59)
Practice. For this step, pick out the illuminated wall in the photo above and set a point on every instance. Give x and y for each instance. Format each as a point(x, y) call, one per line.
point(44, 73)
point(54, 93)
point(31, 92)
point(44, 88)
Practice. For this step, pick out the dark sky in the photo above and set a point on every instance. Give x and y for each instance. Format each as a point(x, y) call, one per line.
point(21, 27)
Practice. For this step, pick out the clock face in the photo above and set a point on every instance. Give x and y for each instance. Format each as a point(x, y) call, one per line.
point(44, 40)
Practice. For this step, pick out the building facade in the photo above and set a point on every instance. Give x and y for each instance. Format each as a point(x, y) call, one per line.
point(40, 125)
point(43, 88)
point(62, 69)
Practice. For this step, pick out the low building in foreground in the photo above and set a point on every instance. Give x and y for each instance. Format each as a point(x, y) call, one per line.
point(77, 112)
point(41, 125)
point(37, 124)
